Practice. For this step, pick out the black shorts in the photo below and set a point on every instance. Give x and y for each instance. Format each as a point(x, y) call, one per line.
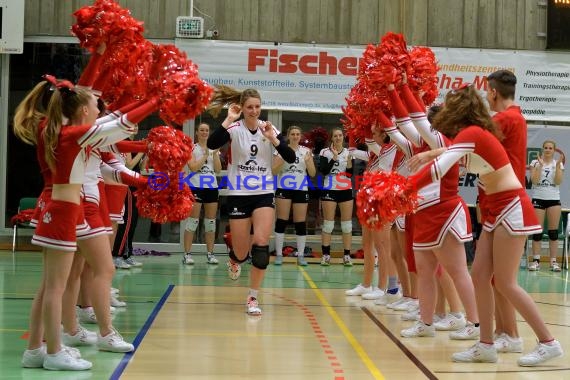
point(205, 195)
point(297, 196)
point(543, 204)
point(337, 196)
point(242, 206)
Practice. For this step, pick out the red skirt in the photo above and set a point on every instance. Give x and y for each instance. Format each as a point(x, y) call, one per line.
point(58, 226)
point(93, 217)
point(43, 200)
point(115, 195)
point(432, 224)
point(104, 207)
point(513, 209)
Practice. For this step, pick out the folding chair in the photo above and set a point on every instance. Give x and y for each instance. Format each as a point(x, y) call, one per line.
point(25, 204)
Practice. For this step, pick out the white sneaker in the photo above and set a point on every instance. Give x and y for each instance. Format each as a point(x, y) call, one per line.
point(120, 263)
point(114, 291)
point(505, 343)
point(420, 329)
point(358, 290)
point(234, 270)
point(555, 267)
point(393, 297)
point(74, 352)
point(301, 261)
point(211, 258)
point(413, 315)
point(534, 266)
point(410, 305)
point(326, 260)
point(374, 294)
point(469, 332)
point(132, 262)
point(346, 261)
point(477, 353)
point(252, 306)
point(64, 361)
point(116, 303)
point(541, 353)
point(113, 342)
point(398, 302)
point(34, 358)
point(86, 315)
point(450, 323)
point(82, 337)
point(382, 300)
point(187, 259)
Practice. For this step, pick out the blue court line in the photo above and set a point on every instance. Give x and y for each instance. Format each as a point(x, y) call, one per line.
point(140, 336)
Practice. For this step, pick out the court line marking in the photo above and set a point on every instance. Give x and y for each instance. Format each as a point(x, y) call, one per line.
point(318, 333)
point(346, 332)
point(522, 371)
point(413, 358)
point(140, 336)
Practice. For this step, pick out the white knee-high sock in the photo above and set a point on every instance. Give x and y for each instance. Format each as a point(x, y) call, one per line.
point(301, 240)
point(279, 239)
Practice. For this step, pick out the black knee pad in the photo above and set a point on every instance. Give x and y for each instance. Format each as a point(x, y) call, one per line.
point(537, 237)
point(235, 259)
point(260, 256)
point(553, 234)
point(280, 225)
point(301, 228)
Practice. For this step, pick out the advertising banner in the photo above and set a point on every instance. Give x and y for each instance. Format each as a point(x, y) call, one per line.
point(316, 78)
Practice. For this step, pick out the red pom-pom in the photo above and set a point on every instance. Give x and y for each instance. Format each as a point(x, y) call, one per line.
point(104, 21)
point(382, 197)
point(362, 110)
point(169, 149)
point(380, 65)
point(125, 72)
point(24, 216)
point(175, 79)
point(191, 96)
point(171, 204)
point(422, 74)
point(316, 137)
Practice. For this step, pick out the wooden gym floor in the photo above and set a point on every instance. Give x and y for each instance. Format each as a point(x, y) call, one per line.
point(189, 322)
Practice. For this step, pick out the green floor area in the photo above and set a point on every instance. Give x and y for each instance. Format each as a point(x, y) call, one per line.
point(142, 289)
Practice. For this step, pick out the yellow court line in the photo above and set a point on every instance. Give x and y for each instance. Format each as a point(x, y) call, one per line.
point(348, 335)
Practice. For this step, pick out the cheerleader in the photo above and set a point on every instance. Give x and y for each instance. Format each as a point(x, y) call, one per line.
point(380, 157)
point(441, 227)
point(510, 217)
point(56, 231)
point(500, 95)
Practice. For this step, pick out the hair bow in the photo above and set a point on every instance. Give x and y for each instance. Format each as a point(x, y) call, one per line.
point(62, 84)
